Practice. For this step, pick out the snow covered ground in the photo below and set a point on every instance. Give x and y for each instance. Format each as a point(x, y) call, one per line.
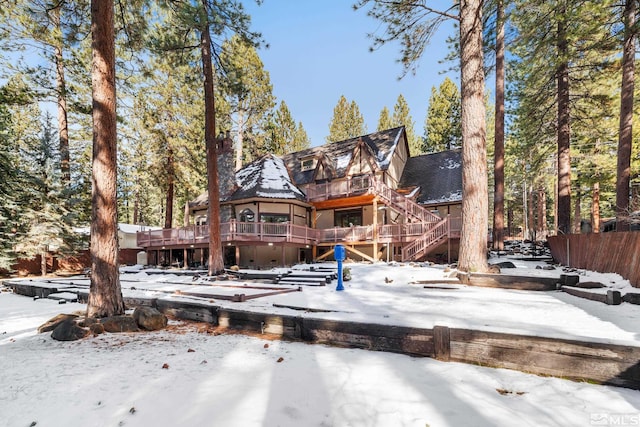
point(237, 380)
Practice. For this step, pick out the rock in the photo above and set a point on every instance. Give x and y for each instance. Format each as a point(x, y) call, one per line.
point(505, 264)
point(493, 268)
point(51, 324)
point(149, 318)
point(234, 268)
point(87, 322)
point(119, 324)
point(96, 328)
point(68, 330)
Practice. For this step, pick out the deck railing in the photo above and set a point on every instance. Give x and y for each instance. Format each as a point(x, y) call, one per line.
point(235, 231)
point(351, 186)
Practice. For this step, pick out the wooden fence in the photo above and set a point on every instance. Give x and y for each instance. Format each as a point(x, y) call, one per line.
point(602, 252)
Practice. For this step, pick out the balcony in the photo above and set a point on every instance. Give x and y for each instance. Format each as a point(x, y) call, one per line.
point(353, 186)
point(261, 232)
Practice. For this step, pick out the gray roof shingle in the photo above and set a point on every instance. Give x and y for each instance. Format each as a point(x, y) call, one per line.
point(439, 176)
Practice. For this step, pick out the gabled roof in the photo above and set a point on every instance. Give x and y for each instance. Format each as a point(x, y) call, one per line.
point(438, 176)
point(381, 145)
point(266, 177)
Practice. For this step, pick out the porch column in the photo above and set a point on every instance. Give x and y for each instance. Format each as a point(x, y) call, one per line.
point(237, 247)
point(283, 255)
point(314, 221)
point(375, 229)
point(184, 259)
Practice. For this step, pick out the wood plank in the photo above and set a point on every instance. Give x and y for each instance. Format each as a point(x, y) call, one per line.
point(605, 363)
point(442, 343)
point(505, 281)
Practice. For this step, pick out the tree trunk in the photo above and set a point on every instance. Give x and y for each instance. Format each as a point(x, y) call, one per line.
point(498, 163)
point(595, 208)
point(43, 262)
point(577, 216)
point(531, 220)
point(216, 263)
point(475, 209)
point(625, 135)
point(240, 147)
point(542, 214)
point(168, 215)
point(63, 128)
point(564, 131)
point(105, 296)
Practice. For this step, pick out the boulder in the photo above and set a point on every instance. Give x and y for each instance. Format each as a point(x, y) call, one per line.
point(149, 318)
point(52, 323)
point(96, 328)
point(119, 324)
point(68, 330)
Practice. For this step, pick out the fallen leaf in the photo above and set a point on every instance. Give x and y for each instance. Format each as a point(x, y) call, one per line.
point(165, 366)
point(280, 359)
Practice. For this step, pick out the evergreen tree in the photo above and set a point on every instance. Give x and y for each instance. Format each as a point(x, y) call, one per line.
point(11, 186)
point(347, 121)
point(442, 126)
point(384, 121)
point(47, 224)
point(248, 88)
point(105, 296)
point(562, 48)
point(285, 129)
point(413, 24)
point(187, 22)
point(402, 117)
point(300, 139)
point(625, 134)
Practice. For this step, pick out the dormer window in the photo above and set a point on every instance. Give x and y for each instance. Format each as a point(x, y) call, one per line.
point(307, 164)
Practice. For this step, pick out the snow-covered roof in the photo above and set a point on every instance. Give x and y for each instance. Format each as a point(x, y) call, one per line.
point(438, 176)
point(266, 177)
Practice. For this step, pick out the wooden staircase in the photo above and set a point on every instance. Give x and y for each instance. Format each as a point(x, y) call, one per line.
point(437, 231)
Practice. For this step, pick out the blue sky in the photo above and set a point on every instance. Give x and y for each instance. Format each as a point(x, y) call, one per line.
point(319, 50)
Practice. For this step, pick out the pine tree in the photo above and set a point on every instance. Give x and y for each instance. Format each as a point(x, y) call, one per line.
point(11, 185)
point(384, 121)
point(402, 117)
point(413, 24)
point(625, 134)
point(347, 121)
point(442, 124)
point(247, 86)
point(300, 139)
point(48, 225)
point(187, 22)
point(105, 296)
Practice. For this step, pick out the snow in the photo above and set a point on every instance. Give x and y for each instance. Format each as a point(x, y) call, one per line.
point(238, 380)
point(269, 177)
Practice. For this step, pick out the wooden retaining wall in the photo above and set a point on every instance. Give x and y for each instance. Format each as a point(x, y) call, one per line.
point(602, 252)
point(584, 361)
point(578, 360)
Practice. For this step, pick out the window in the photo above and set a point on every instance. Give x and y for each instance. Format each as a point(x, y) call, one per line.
point(278, 218)
point(307, 164)
point(348, 218)
point(361, 182)
point(247, 215)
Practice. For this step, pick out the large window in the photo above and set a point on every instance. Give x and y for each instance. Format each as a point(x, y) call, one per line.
point(270, 217)
point(247, 215)
point(348, 218)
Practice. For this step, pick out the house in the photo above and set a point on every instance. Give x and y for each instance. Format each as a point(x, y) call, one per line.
point(366, 193)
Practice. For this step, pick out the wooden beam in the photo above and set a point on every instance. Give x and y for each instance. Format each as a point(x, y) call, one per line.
point(345, 202)
point(357, 252)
